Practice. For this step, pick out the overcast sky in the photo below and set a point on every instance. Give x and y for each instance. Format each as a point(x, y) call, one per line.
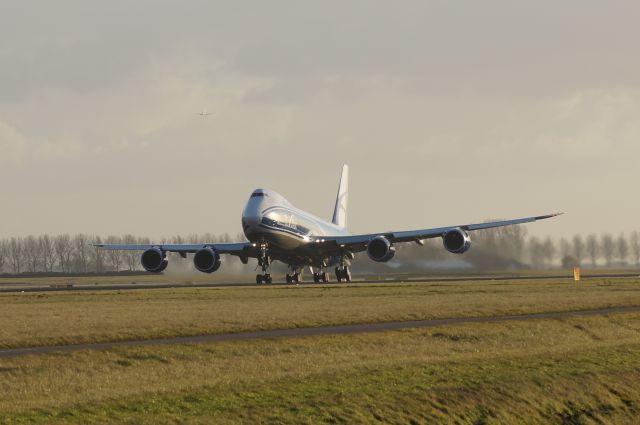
point(447, 112)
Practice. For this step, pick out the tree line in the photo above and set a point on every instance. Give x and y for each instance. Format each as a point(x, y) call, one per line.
point(604, 250)
point(74, 254)
point(511, 247)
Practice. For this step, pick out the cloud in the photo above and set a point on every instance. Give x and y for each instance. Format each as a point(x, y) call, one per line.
point(497, 107)
point(12, 145)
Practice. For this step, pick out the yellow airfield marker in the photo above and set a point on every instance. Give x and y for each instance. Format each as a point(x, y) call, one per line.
point(576, 274)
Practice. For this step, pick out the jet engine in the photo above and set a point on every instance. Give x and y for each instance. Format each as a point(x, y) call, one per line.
point(207, 260)
point(456, 241)
point(154, 260)
point(380, 249)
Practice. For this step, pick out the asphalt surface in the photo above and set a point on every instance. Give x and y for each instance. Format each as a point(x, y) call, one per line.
point(317, 331)
point(406, 279)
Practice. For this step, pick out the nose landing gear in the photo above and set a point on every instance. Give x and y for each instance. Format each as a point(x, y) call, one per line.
point(264, 261)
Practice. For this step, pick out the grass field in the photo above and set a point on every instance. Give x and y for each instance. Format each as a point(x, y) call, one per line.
point(579, 370)
point(75, 317)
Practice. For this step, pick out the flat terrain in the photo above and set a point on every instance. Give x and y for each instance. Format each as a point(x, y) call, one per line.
point(84, 317)
point(178, 279)
point(582, 370)
point(564, 370)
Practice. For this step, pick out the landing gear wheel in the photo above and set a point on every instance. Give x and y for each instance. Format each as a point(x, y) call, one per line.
point(263, 278)
point(346, 273)
point(294, 276)
point(343, 274)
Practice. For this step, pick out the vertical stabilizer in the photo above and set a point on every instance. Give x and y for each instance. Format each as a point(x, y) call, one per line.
point(340, 210)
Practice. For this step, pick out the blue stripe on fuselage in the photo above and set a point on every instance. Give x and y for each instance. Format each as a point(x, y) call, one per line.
point(279, 229)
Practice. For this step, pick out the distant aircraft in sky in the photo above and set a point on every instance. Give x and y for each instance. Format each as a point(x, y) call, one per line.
point(276, 230)
point(204, 113)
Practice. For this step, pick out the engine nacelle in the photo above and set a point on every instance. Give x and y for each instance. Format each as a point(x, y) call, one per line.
point(380, 249)
point(456, 241)
point(206, 260)
point(154, 260)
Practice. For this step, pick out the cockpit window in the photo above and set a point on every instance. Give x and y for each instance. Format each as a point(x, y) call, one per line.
point(258, 195)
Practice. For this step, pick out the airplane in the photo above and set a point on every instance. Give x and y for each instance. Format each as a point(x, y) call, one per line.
point(276, 230)
point(204, 113)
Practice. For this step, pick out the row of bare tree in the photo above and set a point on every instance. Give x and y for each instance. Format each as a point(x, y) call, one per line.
point(75, 254)
point(594, 250)
point(510, 246)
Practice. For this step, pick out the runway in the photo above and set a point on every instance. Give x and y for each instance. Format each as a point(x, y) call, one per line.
point(315, 331)
point(403, 279)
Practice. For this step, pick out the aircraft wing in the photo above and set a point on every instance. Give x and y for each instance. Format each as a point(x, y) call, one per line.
point(241, 249)
point(359, 242)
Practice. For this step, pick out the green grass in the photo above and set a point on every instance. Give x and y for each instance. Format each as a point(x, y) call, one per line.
point(493, 393)
point(578, 371)
point(28, 319)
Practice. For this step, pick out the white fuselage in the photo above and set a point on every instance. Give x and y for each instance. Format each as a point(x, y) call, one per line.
point(269, 217)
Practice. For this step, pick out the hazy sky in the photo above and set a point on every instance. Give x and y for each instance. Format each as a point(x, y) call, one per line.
point(448, 112)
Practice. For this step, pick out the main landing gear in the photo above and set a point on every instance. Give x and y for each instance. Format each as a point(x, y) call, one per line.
point(343, 273)
point(295, 275)
point(263, 278)
point(320, 276)
point(293, 278)
point(264, 261)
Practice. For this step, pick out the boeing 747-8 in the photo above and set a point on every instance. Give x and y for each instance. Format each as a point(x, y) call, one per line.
point(276, 230)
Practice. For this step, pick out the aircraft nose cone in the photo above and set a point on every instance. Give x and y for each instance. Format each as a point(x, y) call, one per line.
point(250, 221)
